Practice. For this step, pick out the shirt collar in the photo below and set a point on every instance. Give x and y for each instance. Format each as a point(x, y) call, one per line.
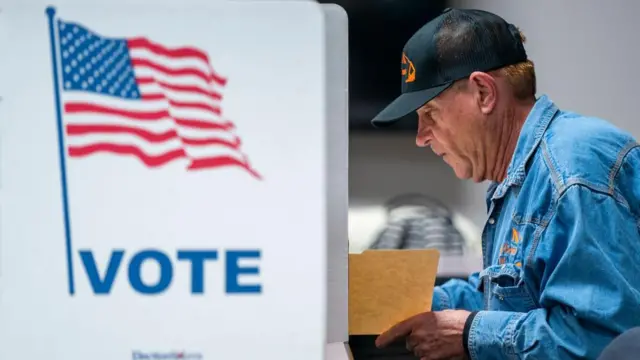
point(530, 136)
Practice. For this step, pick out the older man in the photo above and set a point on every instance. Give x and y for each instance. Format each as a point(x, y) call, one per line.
point(561, 244)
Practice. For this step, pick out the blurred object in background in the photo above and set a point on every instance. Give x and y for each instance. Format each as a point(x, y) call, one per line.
point(367, 222)
point(471, 234)
point(416, 221)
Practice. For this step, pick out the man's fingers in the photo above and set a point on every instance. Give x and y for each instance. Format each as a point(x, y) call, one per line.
point(397, 331)
point(410, 344)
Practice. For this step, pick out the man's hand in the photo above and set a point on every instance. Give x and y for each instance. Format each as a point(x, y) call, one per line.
point(430, 335)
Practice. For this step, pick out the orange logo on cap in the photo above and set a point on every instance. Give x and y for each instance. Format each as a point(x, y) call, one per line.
point(408, 69)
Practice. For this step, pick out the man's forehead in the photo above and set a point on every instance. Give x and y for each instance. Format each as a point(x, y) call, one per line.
point(444, 98)
point(431, 105)
point(424, 107)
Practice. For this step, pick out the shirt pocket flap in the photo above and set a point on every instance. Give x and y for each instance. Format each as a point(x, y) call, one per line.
point(505, 280)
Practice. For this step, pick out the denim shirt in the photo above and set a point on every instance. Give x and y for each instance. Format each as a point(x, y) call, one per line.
point(561, 245)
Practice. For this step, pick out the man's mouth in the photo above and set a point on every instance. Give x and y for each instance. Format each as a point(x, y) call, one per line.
point(438, 153)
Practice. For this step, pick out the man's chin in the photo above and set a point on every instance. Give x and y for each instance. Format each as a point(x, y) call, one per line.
point(462, 174)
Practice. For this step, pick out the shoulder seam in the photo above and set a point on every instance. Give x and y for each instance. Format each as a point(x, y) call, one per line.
point(551, 212)
point(615, 169)
point(577, 182)
point(561, 185)
point(555, 177)
point(586, 185)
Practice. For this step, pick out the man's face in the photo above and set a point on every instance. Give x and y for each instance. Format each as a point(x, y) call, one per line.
point(451, 125)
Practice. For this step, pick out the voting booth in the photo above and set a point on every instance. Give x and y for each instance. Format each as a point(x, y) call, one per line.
point(173, 185)
point(163, 181)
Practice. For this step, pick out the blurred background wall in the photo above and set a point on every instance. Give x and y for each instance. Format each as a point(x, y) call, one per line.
point(586, 54)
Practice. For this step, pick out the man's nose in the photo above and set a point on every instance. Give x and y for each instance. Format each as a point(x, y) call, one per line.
point(423, 137)
point(422, 141)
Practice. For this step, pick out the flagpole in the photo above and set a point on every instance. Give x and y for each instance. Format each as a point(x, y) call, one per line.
point(51, 11)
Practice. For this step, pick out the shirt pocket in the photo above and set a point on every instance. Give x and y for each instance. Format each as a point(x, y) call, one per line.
point(504, 289)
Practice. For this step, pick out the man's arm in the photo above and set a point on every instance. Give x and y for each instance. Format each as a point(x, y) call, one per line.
point(458, 294)
point(590, 289)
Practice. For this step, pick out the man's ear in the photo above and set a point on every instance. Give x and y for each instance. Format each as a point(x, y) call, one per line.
point(485, 89)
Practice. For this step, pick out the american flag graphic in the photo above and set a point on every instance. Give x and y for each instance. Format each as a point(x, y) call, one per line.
point(134, 97)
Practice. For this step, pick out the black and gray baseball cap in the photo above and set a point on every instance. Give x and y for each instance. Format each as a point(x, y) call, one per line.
point(449, 48)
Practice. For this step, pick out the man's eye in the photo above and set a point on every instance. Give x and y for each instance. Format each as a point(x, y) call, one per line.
point(428, 117)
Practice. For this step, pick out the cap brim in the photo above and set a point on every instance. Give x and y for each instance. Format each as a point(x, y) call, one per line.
point(405, 104)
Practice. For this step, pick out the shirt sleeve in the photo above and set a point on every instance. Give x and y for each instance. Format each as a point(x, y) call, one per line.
point(458, 294)
point(589, 286)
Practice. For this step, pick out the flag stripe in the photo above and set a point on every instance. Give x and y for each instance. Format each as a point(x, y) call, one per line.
point(180, 88)
point(78, 108)
point(149, 160)
point(194, 105)
point(172, 63)
point(143, 43)
point(149, 148)
point(116, 101)
point(184, 107)
point(155, 127)
point(154, 96)
point(234, 144)
point(86, 108)
point(146, 63)
point(79, 129)
point(205, 124)
point(222, 161)
point(157, 92)
point(183, 104)
point(199, 131)
point(117, 129)
point(156, 148)
point(184, 80)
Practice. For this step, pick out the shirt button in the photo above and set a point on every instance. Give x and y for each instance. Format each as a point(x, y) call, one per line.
point(492, 221)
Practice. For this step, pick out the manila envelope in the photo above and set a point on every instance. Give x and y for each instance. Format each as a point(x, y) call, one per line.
point(388, 286)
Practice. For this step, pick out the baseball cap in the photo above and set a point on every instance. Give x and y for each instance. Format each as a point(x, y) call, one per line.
point(449, 48)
